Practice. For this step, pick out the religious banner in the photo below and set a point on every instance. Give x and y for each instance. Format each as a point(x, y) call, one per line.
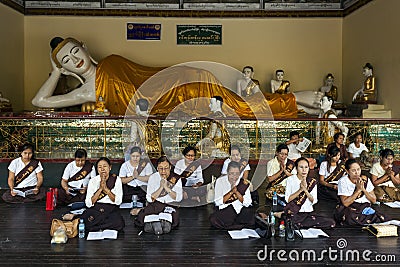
point(140, 4)
point(63, 4)
point(303, 5)
point(143, 31)
point(199, 34)
point(221, 5)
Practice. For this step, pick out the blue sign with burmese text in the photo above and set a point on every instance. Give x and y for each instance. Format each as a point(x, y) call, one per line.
point(143, 31)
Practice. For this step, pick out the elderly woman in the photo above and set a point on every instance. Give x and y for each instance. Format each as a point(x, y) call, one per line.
point(25, 178)
point(164, 188)
point(104, 195)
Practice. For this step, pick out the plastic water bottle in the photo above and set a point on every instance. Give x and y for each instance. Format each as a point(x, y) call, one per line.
point(272, 222)
point(272, 218)
point(274, 202)
point(282, 229)
point(81, 229)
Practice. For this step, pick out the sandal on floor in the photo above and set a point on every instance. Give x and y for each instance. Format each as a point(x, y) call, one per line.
point(68, 217)
point(135, 211)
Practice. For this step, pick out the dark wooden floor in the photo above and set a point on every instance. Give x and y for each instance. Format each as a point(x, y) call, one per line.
point(25, 240)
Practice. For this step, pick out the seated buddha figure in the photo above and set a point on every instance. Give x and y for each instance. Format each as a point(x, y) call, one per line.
point(367, 93)
point(329, 89)
point(247, 86)
point(279, 85)
point(327, 129)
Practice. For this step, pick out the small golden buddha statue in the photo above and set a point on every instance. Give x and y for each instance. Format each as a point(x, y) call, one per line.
point(367, 93)
point(100, 105)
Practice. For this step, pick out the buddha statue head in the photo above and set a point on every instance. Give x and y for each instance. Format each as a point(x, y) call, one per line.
point(248, 72)
point(367, 70)
point(279, 75)
point(71, 57)
point(329, 79)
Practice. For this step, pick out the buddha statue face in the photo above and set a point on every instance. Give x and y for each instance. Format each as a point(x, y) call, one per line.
point(279, 76)
point(367, 72)
point(329, 81)
point(74, 58)
point(247, 73)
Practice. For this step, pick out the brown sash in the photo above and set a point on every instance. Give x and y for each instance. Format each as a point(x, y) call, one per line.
point(82, 173)
point(337, 173)
point(172, 180)
point(190, 169)
point(294, 206)
point(110, 184)
point(26, 171)
point(241, 188)
point(243, 163)
point(142, 164)
point(283, 176)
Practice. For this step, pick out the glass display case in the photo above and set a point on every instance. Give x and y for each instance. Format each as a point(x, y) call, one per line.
point(59, 137)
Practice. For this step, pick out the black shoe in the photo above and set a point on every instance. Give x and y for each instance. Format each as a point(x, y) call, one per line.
point(148, 228)
point(157, 228)
point(166, 226)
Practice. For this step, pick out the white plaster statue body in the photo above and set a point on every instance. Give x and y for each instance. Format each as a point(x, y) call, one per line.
point(309, 101)
point(247, 86)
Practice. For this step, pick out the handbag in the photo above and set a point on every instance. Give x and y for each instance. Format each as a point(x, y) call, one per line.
point(70, 227)
point(382, 230)
point(264, 227)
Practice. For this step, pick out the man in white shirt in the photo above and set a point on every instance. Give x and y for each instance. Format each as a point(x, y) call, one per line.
point(233, 201)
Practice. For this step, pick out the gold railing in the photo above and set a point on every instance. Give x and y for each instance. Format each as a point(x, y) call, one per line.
point(58, 138)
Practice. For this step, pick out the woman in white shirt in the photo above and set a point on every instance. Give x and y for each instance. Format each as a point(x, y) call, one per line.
point(134, 175)
point(103, 197)
point(356, 147)
point(330, 171)
point(25, 176)
point(163, 190)
point(75, 179)
point(301, 195)
point(191, 173)
point(356, 193)
point(385, 177)
point(233, 201)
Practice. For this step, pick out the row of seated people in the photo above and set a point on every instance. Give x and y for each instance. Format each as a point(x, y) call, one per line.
point(103, 192)
point(339, 179)
point(232, 191)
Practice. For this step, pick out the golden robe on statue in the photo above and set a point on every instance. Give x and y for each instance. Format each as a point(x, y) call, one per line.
point(118, 80)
